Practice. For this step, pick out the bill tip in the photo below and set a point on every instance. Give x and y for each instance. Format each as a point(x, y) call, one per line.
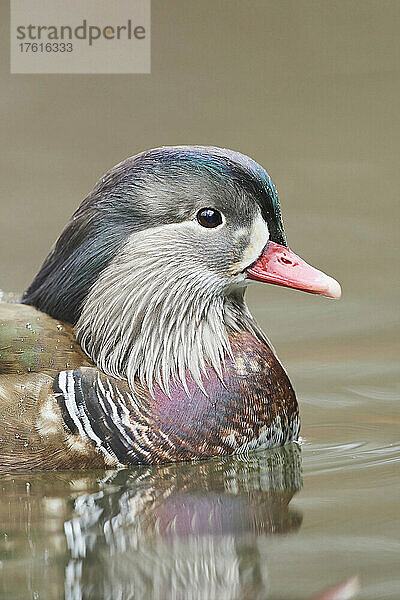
point(333, 289)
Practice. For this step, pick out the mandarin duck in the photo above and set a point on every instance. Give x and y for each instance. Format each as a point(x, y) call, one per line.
point(134, 344)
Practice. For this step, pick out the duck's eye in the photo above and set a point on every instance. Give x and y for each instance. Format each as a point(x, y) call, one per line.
point(209, 217)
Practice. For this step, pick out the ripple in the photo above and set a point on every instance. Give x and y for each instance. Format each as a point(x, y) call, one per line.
point(323, 458)
point(375, 393)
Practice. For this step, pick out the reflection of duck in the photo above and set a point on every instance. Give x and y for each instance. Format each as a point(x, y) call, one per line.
point(151, 270)
point(217, 497)
point(148, 532)
point(133, 534)
point(187, 531)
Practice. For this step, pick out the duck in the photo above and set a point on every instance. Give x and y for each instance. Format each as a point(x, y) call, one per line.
point(134, 344)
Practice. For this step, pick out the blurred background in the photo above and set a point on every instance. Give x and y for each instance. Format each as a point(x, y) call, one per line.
point(311, 90)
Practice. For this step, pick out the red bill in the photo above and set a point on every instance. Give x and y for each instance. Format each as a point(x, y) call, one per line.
point(280, 266)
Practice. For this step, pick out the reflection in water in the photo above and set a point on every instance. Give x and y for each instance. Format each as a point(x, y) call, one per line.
point(182, 531)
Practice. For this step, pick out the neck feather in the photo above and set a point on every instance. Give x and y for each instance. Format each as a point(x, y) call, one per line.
point(153, 322)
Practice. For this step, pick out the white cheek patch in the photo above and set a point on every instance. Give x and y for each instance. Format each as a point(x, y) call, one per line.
point(259, 236)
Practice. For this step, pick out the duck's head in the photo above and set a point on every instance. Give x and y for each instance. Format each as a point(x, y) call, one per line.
point(153, 265)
